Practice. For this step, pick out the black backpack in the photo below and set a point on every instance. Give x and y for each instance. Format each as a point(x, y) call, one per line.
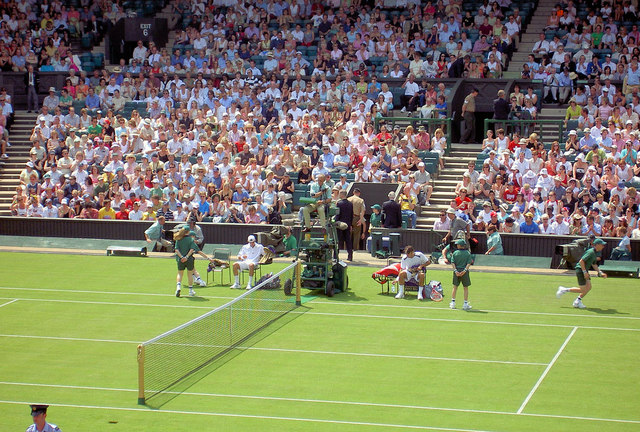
point(275, 218)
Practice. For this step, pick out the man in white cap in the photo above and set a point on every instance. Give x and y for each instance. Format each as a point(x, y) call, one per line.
point(544, 183)
point(248, 259)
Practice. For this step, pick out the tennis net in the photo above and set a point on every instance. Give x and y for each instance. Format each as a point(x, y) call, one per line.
point(170, 358)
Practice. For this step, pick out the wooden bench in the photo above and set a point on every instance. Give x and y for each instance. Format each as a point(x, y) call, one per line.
point(622, 268)
point(127, 251)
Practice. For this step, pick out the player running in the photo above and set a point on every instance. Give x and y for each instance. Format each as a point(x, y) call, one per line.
point(412, 267)
point(587, 261)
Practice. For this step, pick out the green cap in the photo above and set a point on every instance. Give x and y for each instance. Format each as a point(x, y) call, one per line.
point(461, 242)
point(376, 207)
point(599, 242)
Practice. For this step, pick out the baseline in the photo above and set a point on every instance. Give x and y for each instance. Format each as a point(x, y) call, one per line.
point(108, 292)
point(379, 305)
point(322, 302)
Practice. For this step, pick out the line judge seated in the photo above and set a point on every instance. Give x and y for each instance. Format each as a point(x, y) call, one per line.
point(248, 259)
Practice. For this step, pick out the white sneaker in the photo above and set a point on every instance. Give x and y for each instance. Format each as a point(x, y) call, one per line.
point(201, 282)
point(248, 287)
point(466, 307)
point(452, 305)
point(235, 286)
point(192, 293)
point(420, 297)
point(178, 292)
point(4, 156)
point(427, 203)
point(578, 304)
point(400, 295)
point(403, 109)
point(561, 290)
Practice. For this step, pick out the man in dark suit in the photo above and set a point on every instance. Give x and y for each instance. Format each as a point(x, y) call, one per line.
point(501, 109)
point(31, 82)
point(392, 212)
point(346, 215)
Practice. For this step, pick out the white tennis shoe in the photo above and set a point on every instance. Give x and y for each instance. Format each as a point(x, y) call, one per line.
point(561, 291)
point(452, 305)
point(578, 304)
point(466, 307)
point(178, 292)
point(236, 286)
point(192, 293)
point(420, 296)
point(200, 282)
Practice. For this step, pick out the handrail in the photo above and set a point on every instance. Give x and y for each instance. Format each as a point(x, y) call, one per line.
point(529, 126)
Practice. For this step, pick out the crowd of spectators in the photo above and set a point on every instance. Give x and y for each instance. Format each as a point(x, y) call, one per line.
point(220, 136)
point(580, 187)
point(38, 33)
point(587, 184)
point(599, 44)
point(213, 143)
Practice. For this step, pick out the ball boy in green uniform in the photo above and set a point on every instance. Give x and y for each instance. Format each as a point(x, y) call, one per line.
point(185, 249)
point(582, 272)
point(461, 260)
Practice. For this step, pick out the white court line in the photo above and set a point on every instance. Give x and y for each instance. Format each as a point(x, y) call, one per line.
point(483, 310)
point(260, 417)
point(8, 303)
point(464, 321)
point(325, 401)
point(74, 291)
point(321, 302)
point(188, 306)
point(185, 306)
point(546, 371)
point(251, 348)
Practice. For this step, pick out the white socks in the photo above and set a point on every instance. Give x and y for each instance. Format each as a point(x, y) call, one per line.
point(237, 279)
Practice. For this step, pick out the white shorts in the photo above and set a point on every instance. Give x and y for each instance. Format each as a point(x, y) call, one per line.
point(244, 265)
point(411, 276)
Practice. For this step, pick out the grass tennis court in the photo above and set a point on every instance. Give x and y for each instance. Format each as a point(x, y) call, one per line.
point(520, 361)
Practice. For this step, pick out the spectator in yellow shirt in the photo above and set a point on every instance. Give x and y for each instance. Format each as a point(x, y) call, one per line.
point(408, 205)
point(106, 212)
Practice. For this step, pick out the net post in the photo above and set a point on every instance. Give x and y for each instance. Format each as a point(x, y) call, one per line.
point(141, 399)
point(298, 271)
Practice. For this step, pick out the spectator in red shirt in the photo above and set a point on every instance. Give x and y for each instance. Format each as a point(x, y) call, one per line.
point(461, 202)
point(510, 193)
point(123, 214)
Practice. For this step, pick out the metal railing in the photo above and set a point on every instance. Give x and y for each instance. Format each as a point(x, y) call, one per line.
point(526, 127)
point(430, 124)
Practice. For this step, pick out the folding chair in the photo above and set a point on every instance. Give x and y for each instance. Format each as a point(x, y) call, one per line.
point(223, 255)
point(257, 273)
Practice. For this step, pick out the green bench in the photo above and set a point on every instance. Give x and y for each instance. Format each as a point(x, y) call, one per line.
point(622, 268)
point(512, 261)
point(139, 251)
